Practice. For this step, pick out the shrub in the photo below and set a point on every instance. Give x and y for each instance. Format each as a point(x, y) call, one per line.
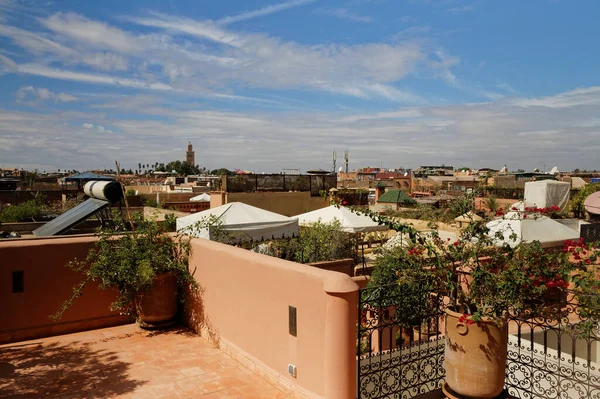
point(27, 210)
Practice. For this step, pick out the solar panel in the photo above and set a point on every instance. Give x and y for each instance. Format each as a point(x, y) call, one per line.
point(71, 218)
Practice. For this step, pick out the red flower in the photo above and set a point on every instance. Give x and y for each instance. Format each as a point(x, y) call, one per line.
point(456, 243)
point(588, 261)
point(514, 208)
point(524, 216)
point(344, 202)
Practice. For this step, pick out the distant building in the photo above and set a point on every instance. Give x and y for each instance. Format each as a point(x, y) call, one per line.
point(189, 155)
point(434, 170)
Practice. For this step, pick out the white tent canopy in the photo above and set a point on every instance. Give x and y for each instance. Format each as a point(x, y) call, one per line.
point(351, 222)
point(242, 222)
point(543, 229)
point(547, 193)
point(201, 198)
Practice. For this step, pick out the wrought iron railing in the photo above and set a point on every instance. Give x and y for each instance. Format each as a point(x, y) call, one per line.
point(555, 354)
point(400, 346)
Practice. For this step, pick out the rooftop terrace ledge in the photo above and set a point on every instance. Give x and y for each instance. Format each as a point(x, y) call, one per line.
point(39, 264)
point(244, 300)
point(242, 306)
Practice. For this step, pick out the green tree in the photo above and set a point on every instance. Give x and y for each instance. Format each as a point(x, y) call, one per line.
point(491, 203)
point(577, 202)
point(222, 172)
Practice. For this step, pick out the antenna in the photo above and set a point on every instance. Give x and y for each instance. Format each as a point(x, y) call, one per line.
point(334, 159)
point(346, 155)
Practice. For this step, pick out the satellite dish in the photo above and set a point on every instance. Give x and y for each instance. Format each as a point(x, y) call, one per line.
point(340, 170)
point(554, 170)
point(592, 203)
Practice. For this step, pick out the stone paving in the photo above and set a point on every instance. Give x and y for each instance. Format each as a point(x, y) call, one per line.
point(126, 362)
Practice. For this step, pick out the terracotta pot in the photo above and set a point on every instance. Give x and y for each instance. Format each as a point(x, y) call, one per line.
point(475, 358)
point(157, 307)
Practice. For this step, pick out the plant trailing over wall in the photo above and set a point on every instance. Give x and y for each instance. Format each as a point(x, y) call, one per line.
point(317, 242)
point(129, 261)
point(484, 279)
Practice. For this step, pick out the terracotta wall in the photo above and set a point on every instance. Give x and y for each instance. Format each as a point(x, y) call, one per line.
point(47, 283)
point(243, 304)
point(504, 203)
point(285, 203)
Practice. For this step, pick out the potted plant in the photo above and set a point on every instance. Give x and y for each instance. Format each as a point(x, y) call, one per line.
point(482, 284)
point(145, 264)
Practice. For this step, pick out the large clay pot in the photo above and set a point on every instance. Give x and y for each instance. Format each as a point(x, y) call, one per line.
point(475, 358)
point(157, 307)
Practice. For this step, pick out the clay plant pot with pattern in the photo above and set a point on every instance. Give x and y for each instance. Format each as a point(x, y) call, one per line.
point(475, 356)
point(145, 265)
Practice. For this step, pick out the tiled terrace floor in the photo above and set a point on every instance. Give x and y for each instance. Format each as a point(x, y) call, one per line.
point(126, 362)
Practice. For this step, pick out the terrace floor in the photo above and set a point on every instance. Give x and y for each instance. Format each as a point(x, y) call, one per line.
point(126, 362)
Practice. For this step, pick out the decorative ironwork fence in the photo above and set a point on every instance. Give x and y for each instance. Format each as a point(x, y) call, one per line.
point(557, 354)
point(400, 346)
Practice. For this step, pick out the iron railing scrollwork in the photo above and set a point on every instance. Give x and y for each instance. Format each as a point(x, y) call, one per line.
point(400, 346)
point(553, 354)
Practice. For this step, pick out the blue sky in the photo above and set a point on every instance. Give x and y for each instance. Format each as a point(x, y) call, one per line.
point(265, 85)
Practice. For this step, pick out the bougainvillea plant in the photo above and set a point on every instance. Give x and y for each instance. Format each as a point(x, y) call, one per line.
point(483, 279)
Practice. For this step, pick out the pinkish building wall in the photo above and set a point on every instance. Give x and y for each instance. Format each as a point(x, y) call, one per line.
point(243, 305)
point(47, 283)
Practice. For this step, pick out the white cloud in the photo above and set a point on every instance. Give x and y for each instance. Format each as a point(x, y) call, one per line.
point(589, 96)
point(106, 61)
point(413, 31)
point(94, 33)
point(98, 128)
point(203, 57)
point(460, 9)
point(264, 11)
point(344, 13)
point(42, 70)
point(479, 134)
point(32, 95)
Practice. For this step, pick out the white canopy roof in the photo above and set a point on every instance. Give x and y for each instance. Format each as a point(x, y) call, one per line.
point(243, 222)
point(351, 222)
point(547, 193)
point(541, 228)
point(201, 198)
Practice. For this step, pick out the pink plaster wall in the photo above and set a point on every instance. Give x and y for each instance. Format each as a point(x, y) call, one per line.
point(48, 282)
point(243, 303)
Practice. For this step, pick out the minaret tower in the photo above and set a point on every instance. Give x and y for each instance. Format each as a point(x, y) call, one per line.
point(189, 155)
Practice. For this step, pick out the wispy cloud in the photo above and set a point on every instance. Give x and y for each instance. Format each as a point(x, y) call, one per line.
point(205, 58)
point(478, 134)
point(272, 9)
point(460, 9)
point(344, 13)
point(98, 128)
point(47, 72)
point(412, 32)
point(31, 95)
